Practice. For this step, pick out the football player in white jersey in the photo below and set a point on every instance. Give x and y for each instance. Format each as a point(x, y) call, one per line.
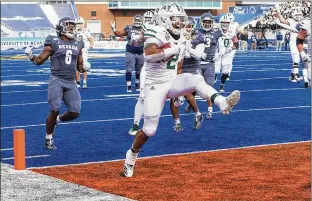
point(227, 45)
point(297, 16)
point(84, 35)
point(305, 34)
point(148, 19)
point(164, 52)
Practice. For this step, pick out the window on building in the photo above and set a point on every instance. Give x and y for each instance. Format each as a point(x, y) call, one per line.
point(93, 13)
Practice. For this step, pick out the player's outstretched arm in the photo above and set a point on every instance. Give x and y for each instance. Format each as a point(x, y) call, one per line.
point(117, 32)
point(38, 60)
point(91, 40)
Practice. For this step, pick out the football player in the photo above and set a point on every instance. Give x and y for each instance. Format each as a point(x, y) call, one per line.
point(134, 49)
point(66, 57)
point(227, 45)
point(84, 35)
point(164, 51)
point(297, 16)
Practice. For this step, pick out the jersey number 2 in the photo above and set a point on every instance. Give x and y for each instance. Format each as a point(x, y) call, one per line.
point(172, 63)
point(68, 57)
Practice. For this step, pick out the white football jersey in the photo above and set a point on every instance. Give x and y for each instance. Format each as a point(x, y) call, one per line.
point(83, 35)
point(225, 42)
point(293, 36)
point(159, 72)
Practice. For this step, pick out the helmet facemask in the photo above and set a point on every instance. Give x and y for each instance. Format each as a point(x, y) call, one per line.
point(138, 21)
point(225, 25)
point(67, 28)
point(206, 24)
point(178, 23)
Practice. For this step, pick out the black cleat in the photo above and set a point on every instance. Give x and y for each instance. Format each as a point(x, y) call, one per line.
point(49, 144)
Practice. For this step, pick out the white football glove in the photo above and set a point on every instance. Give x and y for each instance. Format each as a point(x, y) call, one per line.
point(113, 26)
point(28, 52)
point(177, 102)
point(86, 66)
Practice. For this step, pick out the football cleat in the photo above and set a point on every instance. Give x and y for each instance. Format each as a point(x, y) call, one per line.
point(188, 108)
point(292, 77)
point(129, 90)
point(209, 113)
point(84, 85)
point(229, 102)
point(78, 84)
point(49, 144)
point(221, 89)
point(198, 122)
point(128, 167)
point(306, 85)
point(134, 129)
point(137, 86)
point(178, 128)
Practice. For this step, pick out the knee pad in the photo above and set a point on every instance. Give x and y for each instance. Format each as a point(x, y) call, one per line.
point(150, 125)
point(226, 69)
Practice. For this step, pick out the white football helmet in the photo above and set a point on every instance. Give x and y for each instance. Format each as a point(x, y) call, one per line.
point(297, 14)
point(138, 20)
point(80, 23)
point(148, 16)
point(225, 22)
point(171, 16)
point(230, 17)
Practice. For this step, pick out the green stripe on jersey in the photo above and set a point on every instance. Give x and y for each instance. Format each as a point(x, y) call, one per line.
point(151, 30)
point(151, 35)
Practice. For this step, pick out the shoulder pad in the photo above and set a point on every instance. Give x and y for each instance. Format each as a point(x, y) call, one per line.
point(50, 40)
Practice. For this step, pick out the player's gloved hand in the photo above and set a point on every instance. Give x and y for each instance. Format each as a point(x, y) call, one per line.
point(86, 66)
point(177, 102)
point(113, 26)
point(28, 52)
point(305, 58)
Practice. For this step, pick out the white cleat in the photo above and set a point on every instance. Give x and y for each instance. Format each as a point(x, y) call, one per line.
point(128, 167)
point(231, 101)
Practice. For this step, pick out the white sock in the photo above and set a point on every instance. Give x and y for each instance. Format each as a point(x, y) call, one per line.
point(128, 83)
point(131, 157)
point(138, 111)
point(137, 81)
point(305, 75)
point(210, 109)
point(177, 121)
point(197, 113)
point(84, 81)
point(58, 120)
point(49, 136)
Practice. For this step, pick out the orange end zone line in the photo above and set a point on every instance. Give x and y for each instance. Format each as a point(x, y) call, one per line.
point(176, 154)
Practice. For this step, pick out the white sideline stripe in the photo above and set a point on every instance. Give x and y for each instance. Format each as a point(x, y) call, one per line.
point(130, 96)
point(111, 86)
point(176, 154)
point(168, 115)
point(7, 149)
point(36, 156)
point(26, 91)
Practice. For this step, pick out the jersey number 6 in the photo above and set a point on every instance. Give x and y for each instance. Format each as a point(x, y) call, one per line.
point(68, 57)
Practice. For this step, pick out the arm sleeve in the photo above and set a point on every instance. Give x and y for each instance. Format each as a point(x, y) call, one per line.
point(198, 52)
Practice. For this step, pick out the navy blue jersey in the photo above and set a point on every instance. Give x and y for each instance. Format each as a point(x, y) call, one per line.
point(64, 57)
point(210, 39)
point(253, 39)
point(134, 46)
point(279, 36)
point(287, 37)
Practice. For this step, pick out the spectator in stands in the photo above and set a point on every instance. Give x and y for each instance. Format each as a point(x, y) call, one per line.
point(253, 40)
point(244, 40)
point(279, 40)
point(287, 39)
